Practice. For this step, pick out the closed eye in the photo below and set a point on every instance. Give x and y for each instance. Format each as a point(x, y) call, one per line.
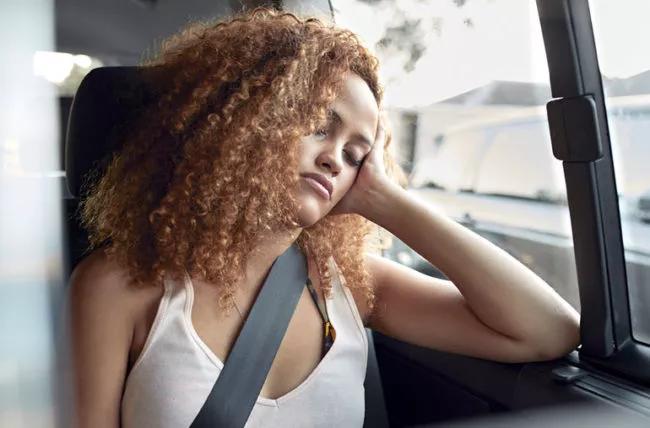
point(320, 133)
point(353, 161)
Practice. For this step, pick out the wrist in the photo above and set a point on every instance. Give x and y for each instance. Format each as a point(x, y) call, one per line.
point(381, 201)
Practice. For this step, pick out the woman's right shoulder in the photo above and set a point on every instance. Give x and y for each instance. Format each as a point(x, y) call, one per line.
point(96, 276)
point(103, 310)
point(98, 280)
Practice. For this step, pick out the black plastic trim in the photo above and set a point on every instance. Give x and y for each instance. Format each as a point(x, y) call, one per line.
point(518, 387)
point(593, 198)
point(574, 120)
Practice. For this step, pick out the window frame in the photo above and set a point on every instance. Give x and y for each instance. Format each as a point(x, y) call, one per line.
point(577, 89)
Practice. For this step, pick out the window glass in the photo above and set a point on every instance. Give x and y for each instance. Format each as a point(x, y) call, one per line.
point(454, 163)
point(30, 219)
point(522, 149)
point(621, 34)
point(475, 75)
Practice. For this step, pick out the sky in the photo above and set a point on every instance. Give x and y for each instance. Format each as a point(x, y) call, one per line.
point(622, 36)
point(505, 43)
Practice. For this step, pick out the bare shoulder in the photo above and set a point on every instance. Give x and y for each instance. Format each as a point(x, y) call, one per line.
point(98, 281)
point(99, 287)
point(373, 264)
point(102, 318)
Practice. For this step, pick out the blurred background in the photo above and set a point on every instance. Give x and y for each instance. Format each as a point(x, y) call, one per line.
point(466, 85)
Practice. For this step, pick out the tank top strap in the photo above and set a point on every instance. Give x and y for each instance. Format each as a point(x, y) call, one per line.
point(348, 306)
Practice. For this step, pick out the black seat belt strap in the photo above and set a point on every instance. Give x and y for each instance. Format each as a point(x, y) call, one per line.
point(237, 388)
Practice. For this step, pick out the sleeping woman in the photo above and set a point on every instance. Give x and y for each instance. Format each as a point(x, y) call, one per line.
point(270, 131)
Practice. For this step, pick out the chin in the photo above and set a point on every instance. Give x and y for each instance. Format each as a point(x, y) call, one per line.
point(311, 212)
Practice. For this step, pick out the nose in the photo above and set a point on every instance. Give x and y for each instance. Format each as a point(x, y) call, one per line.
point(331, 159)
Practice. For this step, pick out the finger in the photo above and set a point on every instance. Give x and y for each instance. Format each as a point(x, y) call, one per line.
point(377, 151)
point(381, 132)
point(380, 137)
point(380, 140)
point(383, 118)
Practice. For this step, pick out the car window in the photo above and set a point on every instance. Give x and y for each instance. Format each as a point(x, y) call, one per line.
point(31, 269)
point(454, 161)
point(520, 164)
point(476, 76)
point(621, 34)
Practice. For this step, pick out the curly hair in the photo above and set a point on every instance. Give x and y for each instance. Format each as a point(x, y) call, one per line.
point(206, 167)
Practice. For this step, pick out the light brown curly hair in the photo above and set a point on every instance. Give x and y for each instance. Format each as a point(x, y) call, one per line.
point(208, 165)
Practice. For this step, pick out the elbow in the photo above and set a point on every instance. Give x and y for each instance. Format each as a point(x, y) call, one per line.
point(560, 341)
point(555, 353)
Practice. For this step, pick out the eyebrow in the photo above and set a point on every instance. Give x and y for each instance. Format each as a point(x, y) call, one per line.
point(337, 118)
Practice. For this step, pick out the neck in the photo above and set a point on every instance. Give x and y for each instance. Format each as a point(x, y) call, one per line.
point(269, 246)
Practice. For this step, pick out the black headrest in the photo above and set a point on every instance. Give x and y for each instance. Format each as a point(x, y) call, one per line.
point(107, 99)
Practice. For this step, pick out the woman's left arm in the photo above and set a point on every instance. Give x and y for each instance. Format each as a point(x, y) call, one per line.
point(509, 312)
point(493, 307)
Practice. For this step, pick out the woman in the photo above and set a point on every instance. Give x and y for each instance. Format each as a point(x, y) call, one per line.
point(269, 132)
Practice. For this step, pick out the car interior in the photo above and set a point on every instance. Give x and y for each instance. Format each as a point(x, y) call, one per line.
point(577, 233)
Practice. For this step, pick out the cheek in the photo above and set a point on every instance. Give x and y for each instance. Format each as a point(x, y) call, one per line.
point(346, 184)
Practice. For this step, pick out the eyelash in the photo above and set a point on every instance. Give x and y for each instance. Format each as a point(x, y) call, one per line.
point(323, 132)
point(354, 162)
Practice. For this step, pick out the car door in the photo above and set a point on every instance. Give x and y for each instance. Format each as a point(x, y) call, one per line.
point(569, 233)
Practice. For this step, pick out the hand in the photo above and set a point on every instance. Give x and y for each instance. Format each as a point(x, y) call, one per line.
point(370, 180)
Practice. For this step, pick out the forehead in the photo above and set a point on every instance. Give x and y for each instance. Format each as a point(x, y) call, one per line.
point(356, 105)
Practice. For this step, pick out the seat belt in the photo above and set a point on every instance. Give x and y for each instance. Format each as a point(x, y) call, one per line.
point(237, 388)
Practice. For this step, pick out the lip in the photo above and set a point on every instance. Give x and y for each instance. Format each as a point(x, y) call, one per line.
point(320, 183)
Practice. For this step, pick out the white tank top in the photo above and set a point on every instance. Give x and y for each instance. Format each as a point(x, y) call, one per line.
point(176, 370)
